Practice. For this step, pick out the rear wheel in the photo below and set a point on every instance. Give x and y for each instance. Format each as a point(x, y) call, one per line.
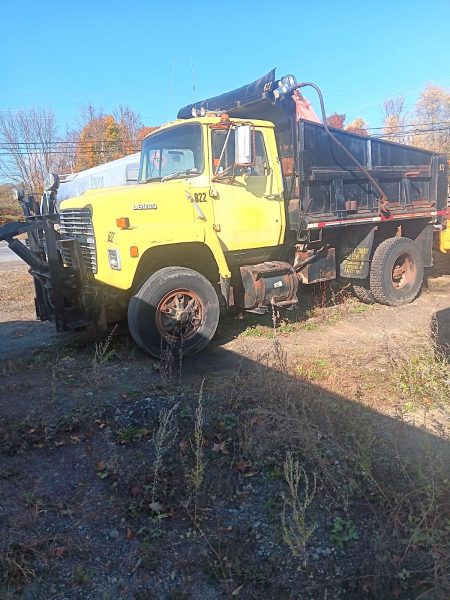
point(396, 272)
point(176, 307)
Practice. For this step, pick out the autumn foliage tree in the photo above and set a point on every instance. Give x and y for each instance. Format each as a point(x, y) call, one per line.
point(336, 120)
point(394, 119)
point(432, 115)
point(144, 131)
point(98, 142)
point(107, 137)
point(358, 126)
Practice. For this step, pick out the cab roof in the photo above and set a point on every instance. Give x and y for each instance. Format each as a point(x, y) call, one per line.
point(209, 120)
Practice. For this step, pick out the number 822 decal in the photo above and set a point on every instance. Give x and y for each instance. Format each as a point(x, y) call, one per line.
point(200, 197)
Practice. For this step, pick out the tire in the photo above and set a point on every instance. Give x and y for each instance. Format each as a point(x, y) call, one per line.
point(175, 307)
point(396, 272)
point(362, 291)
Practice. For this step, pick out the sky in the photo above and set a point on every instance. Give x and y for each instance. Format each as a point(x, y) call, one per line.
point(156, 57)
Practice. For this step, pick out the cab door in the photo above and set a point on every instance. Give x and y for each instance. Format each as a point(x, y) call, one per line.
point(249, 206)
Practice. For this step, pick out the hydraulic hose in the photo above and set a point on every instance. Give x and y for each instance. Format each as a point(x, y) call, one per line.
point(383, 199)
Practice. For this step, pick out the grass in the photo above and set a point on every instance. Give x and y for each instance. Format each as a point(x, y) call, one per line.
point(424, 375)
point(104, 350)
point(314, 370)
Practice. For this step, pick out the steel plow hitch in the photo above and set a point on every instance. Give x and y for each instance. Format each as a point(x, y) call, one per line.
point(10, 230)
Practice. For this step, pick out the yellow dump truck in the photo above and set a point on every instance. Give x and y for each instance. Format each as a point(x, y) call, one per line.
point(241, 201)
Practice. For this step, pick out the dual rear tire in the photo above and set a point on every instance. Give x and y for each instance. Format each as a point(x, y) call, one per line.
point(396, 274)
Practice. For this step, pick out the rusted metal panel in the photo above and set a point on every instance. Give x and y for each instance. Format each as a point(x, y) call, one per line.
point(321, 265)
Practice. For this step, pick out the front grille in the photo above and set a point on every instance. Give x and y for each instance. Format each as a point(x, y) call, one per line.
point(77, 224)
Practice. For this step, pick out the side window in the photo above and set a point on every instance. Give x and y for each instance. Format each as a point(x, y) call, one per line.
point(219, 137)
point(218, 140)
point(261, 163)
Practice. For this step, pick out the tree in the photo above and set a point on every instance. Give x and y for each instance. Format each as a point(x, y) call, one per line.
point(144, 131)
point(336, 120)
point(10, 209)
point(99, 140)
point(358, 126)
point(130, 125)
point(103, 138)
point(432, 117)
point(29, 147)
point(394, 120)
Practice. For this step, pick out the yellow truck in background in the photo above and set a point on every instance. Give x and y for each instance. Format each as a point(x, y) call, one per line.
point(443, 243)
point(240, 202)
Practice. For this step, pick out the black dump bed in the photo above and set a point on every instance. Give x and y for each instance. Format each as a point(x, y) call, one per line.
point(322, 183)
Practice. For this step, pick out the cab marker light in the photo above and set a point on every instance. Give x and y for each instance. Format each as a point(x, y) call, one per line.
point(123, 223)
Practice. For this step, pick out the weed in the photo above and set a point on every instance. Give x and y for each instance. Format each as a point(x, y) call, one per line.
point(79, 576)
point(358, 307)
point(313, 371)
point(162, 441)
point(256, 331)
point(310, 326)
point(131, 434)
point(286, 327)
point(343, 532)
point(149, 557)
point(15, 563)
point(197, 473)
point(103, 350)
point(275, 473)
point(166, 365)
point(230, 421)
point(253, 331)
point(296, 531)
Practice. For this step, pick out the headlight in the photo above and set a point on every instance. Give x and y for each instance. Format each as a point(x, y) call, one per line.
point(51, 182)
point(114, 259)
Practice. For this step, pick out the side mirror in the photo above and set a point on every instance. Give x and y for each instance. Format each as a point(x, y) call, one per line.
point(243, 146)
point(18, 194)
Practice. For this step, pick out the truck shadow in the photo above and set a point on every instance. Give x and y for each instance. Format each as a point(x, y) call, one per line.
point(442, 330)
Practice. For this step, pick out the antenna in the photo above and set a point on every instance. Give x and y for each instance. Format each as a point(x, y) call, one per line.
point(193, 77)
point(171, 84)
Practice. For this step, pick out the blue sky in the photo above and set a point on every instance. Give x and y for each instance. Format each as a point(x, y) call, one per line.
point(151, 55)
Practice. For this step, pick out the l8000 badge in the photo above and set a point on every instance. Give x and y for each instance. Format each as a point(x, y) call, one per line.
point(145, 206)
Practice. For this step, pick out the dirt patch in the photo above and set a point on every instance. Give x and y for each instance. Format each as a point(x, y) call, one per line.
point(311, 457)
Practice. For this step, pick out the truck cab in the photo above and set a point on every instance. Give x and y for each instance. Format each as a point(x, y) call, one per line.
point(191, 190)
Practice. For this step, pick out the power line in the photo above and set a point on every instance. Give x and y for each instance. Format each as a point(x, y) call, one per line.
point(416, 128)
point(413, 125)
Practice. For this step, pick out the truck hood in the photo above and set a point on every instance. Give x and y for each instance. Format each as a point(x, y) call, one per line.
point(130, 197)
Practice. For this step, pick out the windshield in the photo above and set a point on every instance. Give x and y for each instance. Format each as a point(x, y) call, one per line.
point(172, 153)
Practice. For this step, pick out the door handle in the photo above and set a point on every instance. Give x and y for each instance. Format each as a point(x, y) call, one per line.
point(273, 196)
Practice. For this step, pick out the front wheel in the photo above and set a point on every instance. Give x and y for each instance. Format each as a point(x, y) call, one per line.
point(175, 307)
point(396, 272)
